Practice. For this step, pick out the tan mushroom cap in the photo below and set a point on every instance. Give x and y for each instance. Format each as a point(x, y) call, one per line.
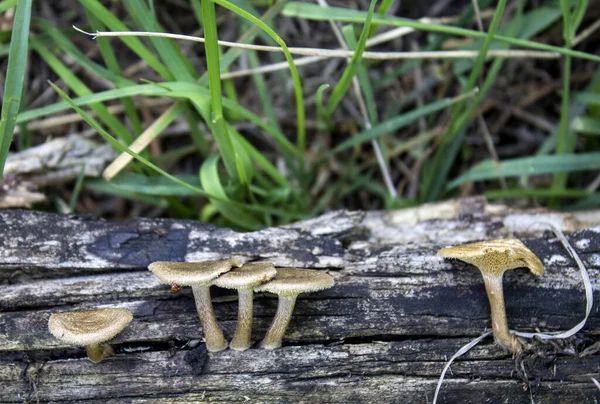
point(89, 326)
point(292, 281)
point(246, 276)
point(496, 256)
point(191, 273)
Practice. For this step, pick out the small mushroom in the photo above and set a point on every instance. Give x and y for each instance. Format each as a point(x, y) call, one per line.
point(244, 279)
point(199, 275)
point(493, 258)
point(90, 328)
point(288, 284)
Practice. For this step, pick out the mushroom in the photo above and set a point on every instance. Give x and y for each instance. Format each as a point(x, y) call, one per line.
point(493, 258)
point(244, 279)
point(90, 328)
point(288, 284)
point(199, 275)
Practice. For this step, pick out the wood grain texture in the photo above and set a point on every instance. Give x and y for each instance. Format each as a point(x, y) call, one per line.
point(382, 333)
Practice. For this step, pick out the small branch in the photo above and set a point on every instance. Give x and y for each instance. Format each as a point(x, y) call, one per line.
point(586, 33)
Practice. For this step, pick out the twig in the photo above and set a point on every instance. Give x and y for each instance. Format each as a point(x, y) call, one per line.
point(45, 124)
point(140, 143)
point(477, 14)
point(594, 185)
point(586, 33)
point(339, 53)
point(490, 145)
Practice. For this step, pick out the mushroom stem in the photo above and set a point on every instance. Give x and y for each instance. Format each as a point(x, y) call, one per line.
point(494, 289)
point(215, 341)
point(99, 351)
point(243, 329)
point(285, 308)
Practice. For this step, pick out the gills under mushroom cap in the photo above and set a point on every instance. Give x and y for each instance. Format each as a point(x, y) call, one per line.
point(246, 276)
point(191, 273)
point(496, 256)
point(90, 326)
point(292, 281)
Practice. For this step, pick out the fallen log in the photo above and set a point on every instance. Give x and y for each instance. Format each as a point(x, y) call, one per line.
point(384, 331)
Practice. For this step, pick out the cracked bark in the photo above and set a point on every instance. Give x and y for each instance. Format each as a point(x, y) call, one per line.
point(385, 330)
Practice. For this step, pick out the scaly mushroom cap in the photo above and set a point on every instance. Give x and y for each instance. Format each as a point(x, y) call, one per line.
point(293, 281)
point(495, 256)
point(191, 273)
point(90, 326)
point(246, 276)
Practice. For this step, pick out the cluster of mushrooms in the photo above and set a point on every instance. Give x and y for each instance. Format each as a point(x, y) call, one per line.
point(92, 328)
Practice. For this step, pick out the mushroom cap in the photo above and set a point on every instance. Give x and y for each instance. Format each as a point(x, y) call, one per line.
point(191, 273)
point(89, 326)
point(293, 281)
point(247, 276)
point(493, 257)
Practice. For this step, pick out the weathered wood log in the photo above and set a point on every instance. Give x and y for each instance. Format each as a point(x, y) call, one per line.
point(57, 161)
point(383, 332)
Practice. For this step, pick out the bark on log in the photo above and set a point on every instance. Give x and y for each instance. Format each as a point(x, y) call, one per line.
point(382, 333)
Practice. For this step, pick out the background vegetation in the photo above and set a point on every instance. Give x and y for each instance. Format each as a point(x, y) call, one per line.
point(500, 99)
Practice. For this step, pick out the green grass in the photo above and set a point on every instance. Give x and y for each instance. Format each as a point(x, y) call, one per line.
point(558, 163)
point(314, 12)
point(341, 88)
point(566, 141)
point(449, 147)
point(285, 171)
point(15, 75)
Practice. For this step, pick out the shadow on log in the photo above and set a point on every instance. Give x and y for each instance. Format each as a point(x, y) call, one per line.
point(383, 332)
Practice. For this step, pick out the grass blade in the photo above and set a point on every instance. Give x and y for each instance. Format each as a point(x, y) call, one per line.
point(591, 202)
point(179, 66)
point(157, 186)
point(114, 24)
point(587, 125)
point(491, 169)
point(220, 133)
point(300, 112)
point(65, 45)
point(398, 122)
point(168, 89)
point(111, 62)
point(452, 140)
point(382, 9)
point(587, 97)
point(537, 193)
point(7, 4)
point(346, 80)
point(209, 177)
point(81, 89)
point(565, 142)
point(99, 185)
point(15, 75)
point(139, 144)
point(118, 146)
point(362, 75)
point(77, 189)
